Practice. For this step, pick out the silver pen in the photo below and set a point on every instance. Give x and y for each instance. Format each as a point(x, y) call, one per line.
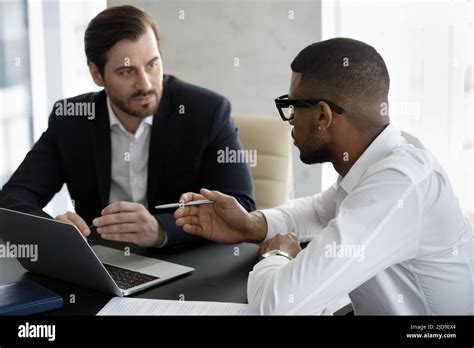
point(182, 205)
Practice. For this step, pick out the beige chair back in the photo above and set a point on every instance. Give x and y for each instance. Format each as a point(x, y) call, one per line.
point(273, 172)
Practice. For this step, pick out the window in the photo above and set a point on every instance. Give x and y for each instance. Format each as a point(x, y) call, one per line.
point(427, 47)
point(15, 94)
point(42, 60)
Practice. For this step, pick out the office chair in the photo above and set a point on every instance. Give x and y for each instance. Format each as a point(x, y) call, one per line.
point(273, 170)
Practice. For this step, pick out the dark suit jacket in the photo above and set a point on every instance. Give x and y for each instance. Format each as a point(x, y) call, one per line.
point(182, 157)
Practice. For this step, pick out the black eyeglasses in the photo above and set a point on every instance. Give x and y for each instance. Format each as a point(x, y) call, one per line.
point(286, 107)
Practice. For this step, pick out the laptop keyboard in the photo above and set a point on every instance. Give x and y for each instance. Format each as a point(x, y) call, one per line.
point(126, 278)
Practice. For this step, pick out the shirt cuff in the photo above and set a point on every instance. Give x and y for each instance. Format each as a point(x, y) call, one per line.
point(275, 221)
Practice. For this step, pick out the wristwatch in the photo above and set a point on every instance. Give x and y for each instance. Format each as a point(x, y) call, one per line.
point(276, 252)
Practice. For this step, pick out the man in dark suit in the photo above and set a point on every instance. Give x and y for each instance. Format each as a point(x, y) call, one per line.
point(142, 141)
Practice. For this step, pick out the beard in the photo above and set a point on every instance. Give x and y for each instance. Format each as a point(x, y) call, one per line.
point(141, 112)
point(317, 151)
point(316, 155)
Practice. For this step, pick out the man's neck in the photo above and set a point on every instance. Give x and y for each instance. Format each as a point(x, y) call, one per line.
point(349, 152)
point(344, 160)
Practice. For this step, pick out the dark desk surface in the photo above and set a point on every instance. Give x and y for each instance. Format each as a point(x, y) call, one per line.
point(221, 273)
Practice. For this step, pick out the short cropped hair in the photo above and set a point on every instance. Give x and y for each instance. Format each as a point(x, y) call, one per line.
point(343, 67)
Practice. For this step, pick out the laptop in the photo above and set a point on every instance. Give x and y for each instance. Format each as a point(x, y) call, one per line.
point(63, 253)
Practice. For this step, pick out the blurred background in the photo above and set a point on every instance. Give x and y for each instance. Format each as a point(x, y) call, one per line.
point(243, 50)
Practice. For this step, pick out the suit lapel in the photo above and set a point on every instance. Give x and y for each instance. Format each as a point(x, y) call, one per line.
point(158, 145)
point(101, 153)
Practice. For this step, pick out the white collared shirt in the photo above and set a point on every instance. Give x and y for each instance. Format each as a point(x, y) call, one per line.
point(129, 166)
point(390, 234)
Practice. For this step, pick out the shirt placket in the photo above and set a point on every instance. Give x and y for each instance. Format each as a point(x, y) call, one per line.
point(132, 166)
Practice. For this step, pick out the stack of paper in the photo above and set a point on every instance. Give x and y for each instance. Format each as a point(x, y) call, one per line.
point(139, 306)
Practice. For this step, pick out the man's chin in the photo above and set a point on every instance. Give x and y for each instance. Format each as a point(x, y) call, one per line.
point(303, 156)
point(143, 111)
point(312, 158)
point(134, 110)
point(307, 160)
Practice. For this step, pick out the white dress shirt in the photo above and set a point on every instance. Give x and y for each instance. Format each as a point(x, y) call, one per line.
point(129, 166)
point(390, 234)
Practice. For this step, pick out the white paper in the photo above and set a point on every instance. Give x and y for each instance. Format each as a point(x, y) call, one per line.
point(139, 306)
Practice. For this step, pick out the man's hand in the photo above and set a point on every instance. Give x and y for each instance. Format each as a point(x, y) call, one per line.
point(74, 219)
point(289, 243)
point(129, 222)
point(224, 221)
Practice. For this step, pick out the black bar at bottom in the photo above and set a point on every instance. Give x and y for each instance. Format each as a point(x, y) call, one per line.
point(415, 330)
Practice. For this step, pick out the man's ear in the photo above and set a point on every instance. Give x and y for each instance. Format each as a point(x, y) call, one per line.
point(96, 75)
point(324, 115)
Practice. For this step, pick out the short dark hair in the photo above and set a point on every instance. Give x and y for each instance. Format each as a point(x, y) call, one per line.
point(112, 25)
point(343, 68)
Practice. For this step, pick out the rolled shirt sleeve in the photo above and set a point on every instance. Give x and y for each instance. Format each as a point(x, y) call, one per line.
point(304, 216)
